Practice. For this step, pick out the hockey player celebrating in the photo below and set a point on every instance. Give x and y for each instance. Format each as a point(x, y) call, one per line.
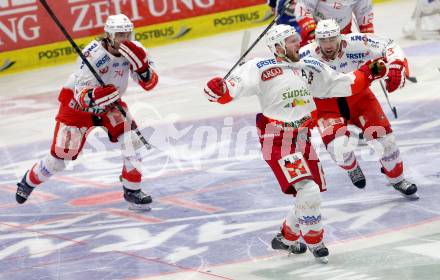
point(309, 12)
point(344, 53)
point(284, 86)
point(84, 104)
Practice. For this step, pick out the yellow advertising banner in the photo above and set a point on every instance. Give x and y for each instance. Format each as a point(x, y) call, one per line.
point(153, 35)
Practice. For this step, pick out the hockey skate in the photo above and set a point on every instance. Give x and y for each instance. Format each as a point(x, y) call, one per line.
point(407, 189)
point(357, 177)
point(320, 253)
point(297, 248)
point(23, 190)
point(137, 199)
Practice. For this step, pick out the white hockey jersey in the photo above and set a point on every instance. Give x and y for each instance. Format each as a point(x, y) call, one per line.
point(340, 10)
point(285, 90)
point(112, 70)
point(355, 50)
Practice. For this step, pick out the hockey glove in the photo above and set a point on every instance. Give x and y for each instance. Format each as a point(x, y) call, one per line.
point(374, 69)
point(308, 26)
point(99, 97)
point(366, 28)
point(396, 76)
point(137, 56)
point(216, 90)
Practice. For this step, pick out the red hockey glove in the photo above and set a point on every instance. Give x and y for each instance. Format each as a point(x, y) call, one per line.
point(374, 69)
point(100, 97)
point(396, 76)
point(137, 56)
point(308, 26)
point(217, 91)
point(366, 28)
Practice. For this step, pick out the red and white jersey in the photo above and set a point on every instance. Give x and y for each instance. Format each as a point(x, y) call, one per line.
point(355, 50)
point(112, 69)
point(285, 90)
point(339, 10)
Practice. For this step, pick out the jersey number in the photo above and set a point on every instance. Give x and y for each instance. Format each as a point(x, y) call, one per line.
point(308, 77)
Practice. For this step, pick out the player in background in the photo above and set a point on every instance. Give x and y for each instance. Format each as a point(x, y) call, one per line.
point(309, 12)
point(85, 104)
point(345, 53)
point(289, 16)
point(284, 86)
point(425, 21)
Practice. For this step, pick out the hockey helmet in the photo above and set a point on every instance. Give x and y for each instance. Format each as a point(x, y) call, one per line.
point(277, 36)
point(118, 23)
point(327, 28)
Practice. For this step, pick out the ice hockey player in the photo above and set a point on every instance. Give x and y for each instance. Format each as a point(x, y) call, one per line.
point(309, 12)
point(284, 86)
point(85, 104)
point(344, 53)
point(288, 17)
point(425, 21)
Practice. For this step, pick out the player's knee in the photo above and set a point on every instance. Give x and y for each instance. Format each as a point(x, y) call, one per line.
point(308, 195)
point(53, 165)
point(390, 150)
point(131, 144)
point(68, 142)
point(341, 149)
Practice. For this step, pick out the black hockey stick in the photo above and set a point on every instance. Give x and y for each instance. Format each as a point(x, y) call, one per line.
point(86, 62)
point(411, 79)
point(393, 108)
point(283, 10)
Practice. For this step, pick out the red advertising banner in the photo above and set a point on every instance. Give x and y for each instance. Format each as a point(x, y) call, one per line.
point(25, 23)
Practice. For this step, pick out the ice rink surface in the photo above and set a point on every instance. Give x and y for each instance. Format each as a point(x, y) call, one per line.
point(216, 203)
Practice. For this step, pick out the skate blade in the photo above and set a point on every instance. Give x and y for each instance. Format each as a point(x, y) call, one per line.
point(413, 196)
point(138, 207)
point(323, 260)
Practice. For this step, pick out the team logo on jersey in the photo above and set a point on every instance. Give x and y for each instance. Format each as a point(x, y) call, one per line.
point(304, 54)
point(271, 73)
point(296, 102)
point(103, 70)
point(355, 56)
point(266, 62)
point(102, 61)
point(294, 167)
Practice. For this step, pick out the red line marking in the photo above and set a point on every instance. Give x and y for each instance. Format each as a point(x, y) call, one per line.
point(120, 252)
point(98, 199)
point(131, 215)
point(278, 253)
point(190, 204)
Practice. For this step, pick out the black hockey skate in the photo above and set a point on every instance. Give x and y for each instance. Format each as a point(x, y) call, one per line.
point(23, 190)
point(137, 199)
point(407, 189)
point(297, 248)
point(320, 253)
point(357, 177)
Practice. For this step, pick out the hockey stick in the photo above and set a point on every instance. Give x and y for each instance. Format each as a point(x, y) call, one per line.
point(283, 10)
point(392, 108)
point(98, 78)
point(245, 41)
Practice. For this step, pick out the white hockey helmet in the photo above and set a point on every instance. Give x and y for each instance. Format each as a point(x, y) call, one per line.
point(327, 28)
point(118, 23)
point(277, 36)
